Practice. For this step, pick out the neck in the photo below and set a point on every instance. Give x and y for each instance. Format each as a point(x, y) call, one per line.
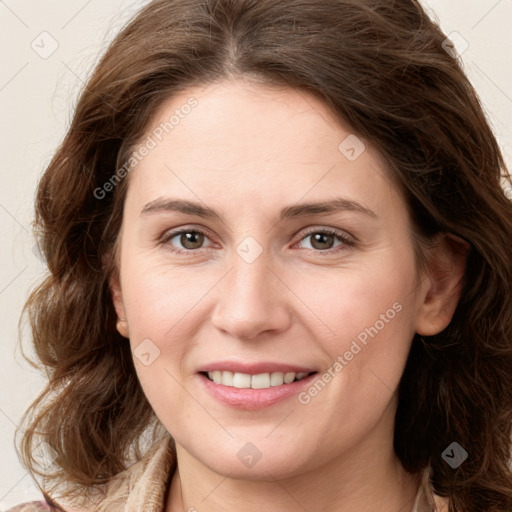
point(369, 478)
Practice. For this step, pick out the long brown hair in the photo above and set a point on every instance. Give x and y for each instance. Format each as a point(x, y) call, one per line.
point(382, 68)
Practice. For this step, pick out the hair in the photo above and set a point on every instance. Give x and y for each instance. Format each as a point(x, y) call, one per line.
point(381, 68)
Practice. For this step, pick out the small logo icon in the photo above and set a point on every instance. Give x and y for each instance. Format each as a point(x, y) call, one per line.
point(45, 45)
point(44, 455)
point(249, 455)
point(455, 45)
point(455, 455)
point(249, 249)
point(147, 352)
point(352, 147)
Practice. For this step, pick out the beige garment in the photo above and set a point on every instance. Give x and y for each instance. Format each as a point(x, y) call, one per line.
point(143, 487)
point(140, 488)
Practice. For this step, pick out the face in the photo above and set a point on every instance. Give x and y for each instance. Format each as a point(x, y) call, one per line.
point(262, 243)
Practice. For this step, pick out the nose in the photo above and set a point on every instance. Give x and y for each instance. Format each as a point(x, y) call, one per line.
point(251, 300)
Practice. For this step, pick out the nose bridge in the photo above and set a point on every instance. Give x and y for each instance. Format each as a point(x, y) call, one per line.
point(250, 278)
point(251, 268)
point(249, 300)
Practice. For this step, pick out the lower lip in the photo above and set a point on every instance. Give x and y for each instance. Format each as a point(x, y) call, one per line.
point(250, 399)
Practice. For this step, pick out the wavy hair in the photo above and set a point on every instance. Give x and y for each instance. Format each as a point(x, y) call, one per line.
point(382, 69)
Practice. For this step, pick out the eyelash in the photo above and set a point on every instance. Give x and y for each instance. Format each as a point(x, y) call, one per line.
point(346, 241)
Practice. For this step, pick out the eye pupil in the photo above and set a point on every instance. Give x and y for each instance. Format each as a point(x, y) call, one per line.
point(321, 239)
point(192, 239)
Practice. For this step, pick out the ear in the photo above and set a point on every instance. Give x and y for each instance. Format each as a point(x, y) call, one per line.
point(445, 272)
point(117, 299)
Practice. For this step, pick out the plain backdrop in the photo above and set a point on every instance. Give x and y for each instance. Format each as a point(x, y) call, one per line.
point(47, 51)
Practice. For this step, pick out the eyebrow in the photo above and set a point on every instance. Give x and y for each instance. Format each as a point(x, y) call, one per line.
point(299, 210)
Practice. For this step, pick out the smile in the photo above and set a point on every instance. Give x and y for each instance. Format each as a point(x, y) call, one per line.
point(259, 381)
point(253, 385)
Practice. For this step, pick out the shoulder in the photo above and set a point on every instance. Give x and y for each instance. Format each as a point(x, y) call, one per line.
point(32, 506)
point(142, 486)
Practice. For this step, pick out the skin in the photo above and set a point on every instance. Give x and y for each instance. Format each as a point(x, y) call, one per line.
point(248, 150)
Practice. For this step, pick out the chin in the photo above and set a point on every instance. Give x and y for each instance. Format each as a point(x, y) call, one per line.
point(258, 461)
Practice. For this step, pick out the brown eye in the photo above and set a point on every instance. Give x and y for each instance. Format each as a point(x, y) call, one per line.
point(322, 241)
point(184, 240)
point(326, 241)
point(191, 239)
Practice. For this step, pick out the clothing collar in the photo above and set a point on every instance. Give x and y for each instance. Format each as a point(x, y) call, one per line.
point(144, 486)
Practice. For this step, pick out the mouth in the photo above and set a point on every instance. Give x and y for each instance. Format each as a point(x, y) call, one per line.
point(253, 386)
point(258, 381)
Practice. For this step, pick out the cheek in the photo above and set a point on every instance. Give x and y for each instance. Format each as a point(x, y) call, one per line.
point(165, 308)
point(158, 298)
point(371, 313)
point(161, 306)
point(370, 317)
point(363, 303)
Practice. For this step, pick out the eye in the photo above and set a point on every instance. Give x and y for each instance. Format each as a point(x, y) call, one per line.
point(323, 240)
point(190, 240)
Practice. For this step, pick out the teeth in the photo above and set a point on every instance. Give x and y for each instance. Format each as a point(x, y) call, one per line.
point(276, 379)
point(260, 381)
point(241, 380)
point(227, 378)
point(289, 377)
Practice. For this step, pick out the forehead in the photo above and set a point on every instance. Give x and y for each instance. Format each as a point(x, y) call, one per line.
point(242, 140)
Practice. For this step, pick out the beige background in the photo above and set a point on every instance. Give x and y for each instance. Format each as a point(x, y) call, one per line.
point(36, 98)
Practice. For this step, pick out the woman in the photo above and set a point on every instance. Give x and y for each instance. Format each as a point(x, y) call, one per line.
point(280, 275)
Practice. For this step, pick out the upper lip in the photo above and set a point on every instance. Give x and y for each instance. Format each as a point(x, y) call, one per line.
point(253, 368)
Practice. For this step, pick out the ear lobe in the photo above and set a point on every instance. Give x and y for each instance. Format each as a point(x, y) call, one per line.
point(122, 327)
point(117, 299)
point(446, 265)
